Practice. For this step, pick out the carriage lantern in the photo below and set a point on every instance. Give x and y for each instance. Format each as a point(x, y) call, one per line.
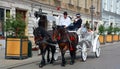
point(92, 12)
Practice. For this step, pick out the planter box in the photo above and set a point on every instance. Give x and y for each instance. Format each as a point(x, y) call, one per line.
point(16, 48)
point(119, 37)
point(109, 38)
point(115, 38)
point(102, 39)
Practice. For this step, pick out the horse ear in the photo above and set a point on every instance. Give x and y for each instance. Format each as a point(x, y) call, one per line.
point(53, 27)
point(34, 28)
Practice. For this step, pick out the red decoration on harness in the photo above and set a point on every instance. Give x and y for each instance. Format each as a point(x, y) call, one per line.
point(72, 38)
point(71, 48)
point(53, 37)
point(58, 37)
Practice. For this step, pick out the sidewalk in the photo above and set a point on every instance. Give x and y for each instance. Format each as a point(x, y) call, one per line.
point(7, 63)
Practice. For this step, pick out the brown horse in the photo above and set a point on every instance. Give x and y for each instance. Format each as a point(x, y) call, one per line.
point(42, 42)
point(66, 41)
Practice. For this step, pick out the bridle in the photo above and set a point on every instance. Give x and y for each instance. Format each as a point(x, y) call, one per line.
point(37, 36)
point(56, 35)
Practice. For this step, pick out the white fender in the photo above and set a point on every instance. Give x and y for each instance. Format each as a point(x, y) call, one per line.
point(94, 43)
point(57, 53)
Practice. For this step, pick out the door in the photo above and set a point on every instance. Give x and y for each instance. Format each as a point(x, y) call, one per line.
point(1, 21)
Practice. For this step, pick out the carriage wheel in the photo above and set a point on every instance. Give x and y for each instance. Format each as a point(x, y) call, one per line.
point(97, 53)
point(56, 56)
point(84, 52)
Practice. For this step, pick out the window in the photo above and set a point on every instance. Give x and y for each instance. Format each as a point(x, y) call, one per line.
point(7, 13)
point(85, 3)
point(1, 21)
point(69, 1)
point(78, 2)
point(105, 5)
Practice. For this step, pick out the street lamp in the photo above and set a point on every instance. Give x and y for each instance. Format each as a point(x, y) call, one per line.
point(92, 12)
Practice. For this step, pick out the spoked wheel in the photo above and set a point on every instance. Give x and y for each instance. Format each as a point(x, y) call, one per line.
point(84, 52)
point(97, 52)
point(56, 56)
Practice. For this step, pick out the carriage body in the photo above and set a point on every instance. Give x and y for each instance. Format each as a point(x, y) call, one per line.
point(88, 42)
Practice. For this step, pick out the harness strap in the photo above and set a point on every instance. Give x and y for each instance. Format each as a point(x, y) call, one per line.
point(71, 48)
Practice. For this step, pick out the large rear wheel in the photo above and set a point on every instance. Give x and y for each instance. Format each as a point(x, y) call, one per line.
point(97, 52)
point(84, 52)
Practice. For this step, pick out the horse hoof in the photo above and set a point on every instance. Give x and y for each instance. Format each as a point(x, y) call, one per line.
point(48, 60)
point(40, 65)
point(63, 65)
point(51, 62)
point(71, 63)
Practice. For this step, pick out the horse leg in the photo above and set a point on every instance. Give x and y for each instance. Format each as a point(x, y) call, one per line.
point(53, 52)
point(42, 63)
point(48, 54)
point(72, 54)
point(63, 58)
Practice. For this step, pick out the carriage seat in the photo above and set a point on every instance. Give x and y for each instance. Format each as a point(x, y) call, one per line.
point(89, 35)
point(76, 31)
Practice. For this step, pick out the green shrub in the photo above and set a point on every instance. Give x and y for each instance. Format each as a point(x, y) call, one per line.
point(15, 27)
point(116, 29)
point(110, 30)
point(101, 29)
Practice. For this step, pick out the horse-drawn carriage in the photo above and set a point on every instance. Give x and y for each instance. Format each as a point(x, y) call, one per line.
point(61, 40)
point(87, 42)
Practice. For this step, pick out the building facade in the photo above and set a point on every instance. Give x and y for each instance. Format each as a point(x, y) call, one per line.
point(9, 8)
point(111, 12)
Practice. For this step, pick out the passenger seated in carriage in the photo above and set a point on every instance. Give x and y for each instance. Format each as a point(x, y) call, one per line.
point(89, 30)
point(76, 24)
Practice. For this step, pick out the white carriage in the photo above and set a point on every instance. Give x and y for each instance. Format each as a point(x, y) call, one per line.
point(88, 42)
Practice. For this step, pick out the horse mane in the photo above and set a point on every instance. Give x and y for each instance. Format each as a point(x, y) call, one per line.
point(42, 22)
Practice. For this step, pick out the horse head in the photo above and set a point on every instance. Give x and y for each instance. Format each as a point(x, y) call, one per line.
point(59, 33)
point(37, 35)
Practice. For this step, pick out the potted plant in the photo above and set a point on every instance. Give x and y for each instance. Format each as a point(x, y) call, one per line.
point(102, 35)
point(16, 41)
point(119, 34)
point(109, 36)
point(115, 36)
